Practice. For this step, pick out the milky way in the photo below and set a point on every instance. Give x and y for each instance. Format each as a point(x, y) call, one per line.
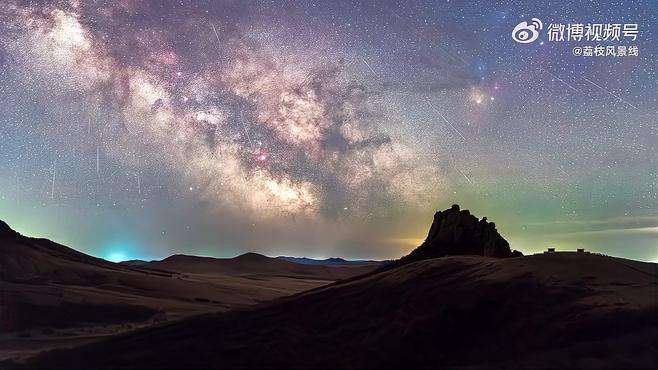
point(317, 128)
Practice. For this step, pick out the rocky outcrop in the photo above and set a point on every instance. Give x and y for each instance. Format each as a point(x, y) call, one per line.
point(458, 232)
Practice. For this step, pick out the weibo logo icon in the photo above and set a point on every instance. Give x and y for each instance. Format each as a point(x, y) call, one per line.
point(526, 33)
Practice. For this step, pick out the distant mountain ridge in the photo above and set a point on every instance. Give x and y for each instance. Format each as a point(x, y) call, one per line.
point(255, 263)
point(333, 261)
point(328, 261)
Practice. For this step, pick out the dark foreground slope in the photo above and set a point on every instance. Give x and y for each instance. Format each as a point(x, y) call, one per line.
point(48, 286)
point(52, 296)
point(560, 310)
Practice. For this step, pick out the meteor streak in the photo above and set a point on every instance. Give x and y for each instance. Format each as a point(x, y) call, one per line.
point(369, 67)
point(215, 31)
point(98, 162)
point(52, 187)
point(609, 92)
point(561, 80)
point(445, 119)
point(466, 177)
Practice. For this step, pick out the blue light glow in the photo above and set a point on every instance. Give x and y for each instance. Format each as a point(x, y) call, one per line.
point(116, 256)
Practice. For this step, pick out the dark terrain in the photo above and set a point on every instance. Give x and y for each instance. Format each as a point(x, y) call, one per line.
point(53, 296)
point(490, 308)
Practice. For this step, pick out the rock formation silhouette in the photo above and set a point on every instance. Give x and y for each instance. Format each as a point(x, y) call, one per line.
point(458, 232)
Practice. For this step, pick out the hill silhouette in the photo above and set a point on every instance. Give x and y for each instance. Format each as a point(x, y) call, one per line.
point(254, 263)
point(52, 295)
point(567, 310)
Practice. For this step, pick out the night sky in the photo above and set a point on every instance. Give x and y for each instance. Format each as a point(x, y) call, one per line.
point(140, 129)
